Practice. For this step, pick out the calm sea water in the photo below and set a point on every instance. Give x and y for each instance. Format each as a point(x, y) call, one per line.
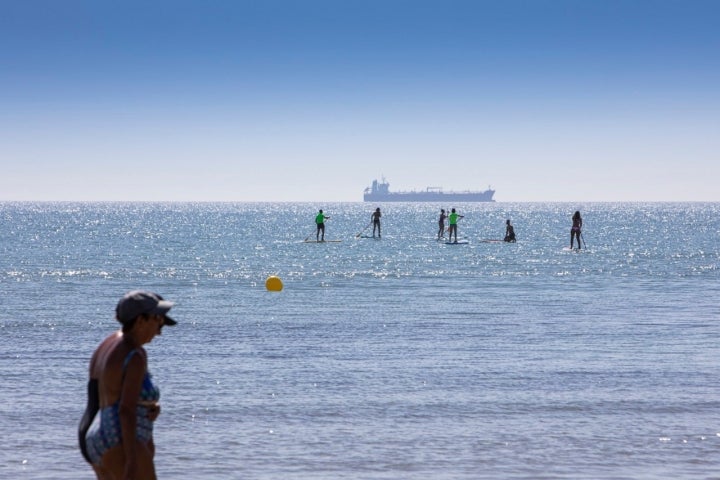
point(400, 358)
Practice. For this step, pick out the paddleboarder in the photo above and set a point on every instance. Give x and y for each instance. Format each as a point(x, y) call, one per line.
point(375, 217)
point(453, 219)
point(576, 229)
point(441, 224)
point(509, 232)
point(320, 222)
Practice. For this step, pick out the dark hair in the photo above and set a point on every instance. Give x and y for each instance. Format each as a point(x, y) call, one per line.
point(127, 326)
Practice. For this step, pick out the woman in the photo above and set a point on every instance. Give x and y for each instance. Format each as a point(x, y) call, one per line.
point(115, 432)
point(375, 218)
point(576, 229)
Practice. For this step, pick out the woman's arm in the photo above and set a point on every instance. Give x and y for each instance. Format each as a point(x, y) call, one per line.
point(131, 387)
point(93, 405)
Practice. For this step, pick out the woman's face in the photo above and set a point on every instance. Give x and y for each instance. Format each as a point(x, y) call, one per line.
point(151, 325)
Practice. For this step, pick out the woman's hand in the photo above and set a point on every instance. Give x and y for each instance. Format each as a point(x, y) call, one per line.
point(153, 411)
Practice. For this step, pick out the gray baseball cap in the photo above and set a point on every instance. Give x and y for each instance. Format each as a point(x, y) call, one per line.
point(140, 302)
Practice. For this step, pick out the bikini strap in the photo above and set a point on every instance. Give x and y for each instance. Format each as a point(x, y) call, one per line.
point(127, 359)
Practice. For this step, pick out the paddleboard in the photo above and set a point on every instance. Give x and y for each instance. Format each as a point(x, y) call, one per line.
point(322, 241)
point(490, 240)
point(568, 249)
point(461, 242)
point(370, 236)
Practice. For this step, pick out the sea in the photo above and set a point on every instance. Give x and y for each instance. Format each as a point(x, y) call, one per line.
point(395, 358)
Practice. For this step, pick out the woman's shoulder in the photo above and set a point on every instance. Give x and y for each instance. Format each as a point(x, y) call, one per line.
point(106, 346)
point(114, 355)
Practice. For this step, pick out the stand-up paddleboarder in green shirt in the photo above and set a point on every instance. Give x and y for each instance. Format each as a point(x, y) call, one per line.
point(320, 222)
point(453, 219)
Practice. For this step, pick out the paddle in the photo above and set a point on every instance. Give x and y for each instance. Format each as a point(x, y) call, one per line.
point(458, 221)
point(314, 231)
point(583, 239)
point(361, 231)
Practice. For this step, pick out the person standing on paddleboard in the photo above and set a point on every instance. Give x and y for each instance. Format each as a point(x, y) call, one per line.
point(453, 218)
point(509, 232)
point(320, 222)
point(375, 217)
point(576, 229)
point(441, 224)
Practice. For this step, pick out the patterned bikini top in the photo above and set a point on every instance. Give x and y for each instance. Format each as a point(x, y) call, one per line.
point(148, 392)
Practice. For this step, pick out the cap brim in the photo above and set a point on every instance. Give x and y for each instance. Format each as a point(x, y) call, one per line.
point(162, 308)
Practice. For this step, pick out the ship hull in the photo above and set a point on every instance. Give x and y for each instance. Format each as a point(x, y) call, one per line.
point(380, 192)
point(486, 196)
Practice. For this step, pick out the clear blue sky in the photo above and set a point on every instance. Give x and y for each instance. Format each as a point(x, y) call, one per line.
point(279, 100)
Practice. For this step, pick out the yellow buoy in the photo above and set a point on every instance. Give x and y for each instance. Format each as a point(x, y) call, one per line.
point(273, 284)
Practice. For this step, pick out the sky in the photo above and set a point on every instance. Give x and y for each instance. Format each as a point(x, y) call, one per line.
point(311, 100)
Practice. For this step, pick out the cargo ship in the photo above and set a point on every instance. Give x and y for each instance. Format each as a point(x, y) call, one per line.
point(380, 192)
